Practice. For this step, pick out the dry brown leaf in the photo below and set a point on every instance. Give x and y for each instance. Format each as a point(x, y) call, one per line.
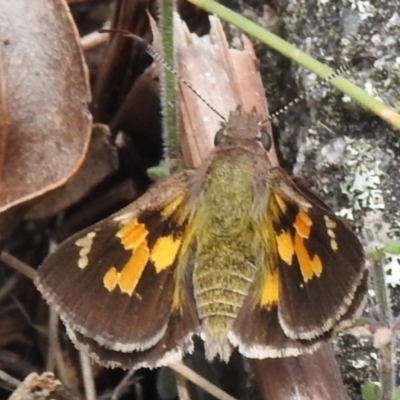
point(44, 96)
point(100, 162)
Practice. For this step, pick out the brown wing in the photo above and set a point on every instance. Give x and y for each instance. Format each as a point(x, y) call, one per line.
point(176, 342)
point(257, 332)
point(320, 265)
point(114, 282)
point(315, 277)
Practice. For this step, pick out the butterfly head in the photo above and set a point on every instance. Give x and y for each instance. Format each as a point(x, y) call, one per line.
point(244, 130)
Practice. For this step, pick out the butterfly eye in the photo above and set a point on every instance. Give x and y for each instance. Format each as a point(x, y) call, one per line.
point(265, 139)
point(219, 136)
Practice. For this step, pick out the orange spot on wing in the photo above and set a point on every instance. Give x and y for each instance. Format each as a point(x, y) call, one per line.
point(132, 235)
point(270, 291)
point(111, 278)
point(133, 269)
point(308, 266)
point(164, 252)
point(317, 265)
point(285, 247)
point(303, 258)
point(303, 224)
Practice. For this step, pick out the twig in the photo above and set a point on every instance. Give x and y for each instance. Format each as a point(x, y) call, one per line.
point(53, 341)
point(386, 351)
point(198, 380)
point(18, 265)
point(87, 375)
point(63, 370)
point(94, 39)
point(8, 286)
point(181, 386)
point(13, 382)
point(123, 385)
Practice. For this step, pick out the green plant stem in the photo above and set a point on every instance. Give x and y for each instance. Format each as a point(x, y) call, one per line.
point(387, 377)
point(301, 58)
point(382, 297)
point(386, 352)
point(386, 372)
point(168, 84)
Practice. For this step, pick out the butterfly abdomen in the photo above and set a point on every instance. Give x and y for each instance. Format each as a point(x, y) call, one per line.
point(221, 280)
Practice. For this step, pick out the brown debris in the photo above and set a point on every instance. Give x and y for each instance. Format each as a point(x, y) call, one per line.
point(45, 123)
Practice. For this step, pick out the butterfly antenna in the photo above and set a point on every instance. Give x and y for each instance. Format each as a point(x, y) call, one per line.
point(339, 71)
point(156, 56)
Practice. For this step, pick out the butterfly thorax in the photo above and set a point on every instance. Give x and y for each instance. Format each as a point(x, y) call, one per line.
point(226, 250)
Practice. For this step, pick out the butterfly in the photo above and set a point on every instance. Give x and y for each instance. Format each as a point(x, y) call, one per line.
point(235, 252)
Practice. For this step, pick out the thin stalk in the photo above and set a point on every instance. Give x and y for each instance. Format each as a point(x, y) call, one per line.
point(386, 352)
point(169, 84)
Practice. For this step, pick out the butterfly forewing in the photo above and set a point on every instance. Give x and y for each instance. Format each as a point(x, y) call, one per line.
point(106, 281)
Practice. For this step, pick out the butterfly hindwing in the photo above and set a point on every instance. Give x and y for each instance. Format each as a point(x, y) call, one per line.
point(320, 263)
point(258, 334)
point(170, 348)
point(113, 282)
